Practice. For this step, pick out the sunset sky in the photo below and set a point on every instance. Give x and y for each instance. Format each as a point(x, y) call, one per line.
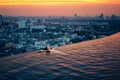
point(59, 7)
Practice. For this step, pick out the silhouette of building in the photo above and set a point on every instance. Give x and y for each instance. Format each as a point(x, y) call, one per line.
point(101, 16)
point(75, 15)
point(113, 17)
point(0, 20)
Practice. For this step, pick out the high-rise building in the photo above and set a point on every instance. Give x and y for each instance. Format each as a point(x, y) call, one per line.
point(101, 16)
point(21, 24)
point(0, 20)
point(75, 15)
point(113, 17)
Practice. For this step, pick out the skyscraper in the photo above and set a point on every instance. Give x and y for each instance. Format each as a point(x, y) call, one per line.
point(0, 20)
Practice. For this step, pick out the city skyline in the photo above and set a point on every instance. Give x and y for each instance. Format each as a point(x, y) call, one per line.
point(59, 7)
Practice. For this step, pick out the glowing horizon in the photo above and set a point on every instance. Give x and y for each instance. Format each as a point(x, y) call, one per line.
point(54, 2)
point(59, 7)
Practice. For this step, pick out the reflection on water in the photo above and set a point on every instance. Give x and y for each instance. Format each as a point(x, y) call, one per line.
point(92, 60)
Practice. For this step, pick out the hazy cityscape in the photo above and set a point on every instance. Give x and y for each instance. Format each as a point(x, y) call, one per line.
point(59, 39)
point(27, 34)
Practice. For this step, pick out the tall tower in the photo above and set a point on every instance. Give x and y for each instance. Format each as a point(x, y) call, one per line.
point(0, 20)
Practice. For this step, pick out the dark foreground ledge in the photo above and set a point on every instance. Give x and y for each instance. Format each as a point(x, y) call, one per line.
point(90, 60)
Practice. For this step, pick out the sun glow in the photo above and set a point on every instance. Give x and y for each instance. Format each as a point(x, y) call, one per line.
point(54, 2)
point(59, 7)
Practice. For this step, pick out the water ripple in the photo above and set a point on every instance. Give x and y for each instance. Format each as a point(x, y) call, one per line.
point(91, 60)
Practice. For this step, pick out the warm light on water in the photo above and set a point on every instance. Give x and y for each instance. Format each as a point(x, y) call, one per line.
point(91, 60)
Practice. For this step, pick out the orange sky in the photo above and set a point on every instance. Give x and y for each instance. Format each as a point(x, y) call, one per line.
point(59, 7)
